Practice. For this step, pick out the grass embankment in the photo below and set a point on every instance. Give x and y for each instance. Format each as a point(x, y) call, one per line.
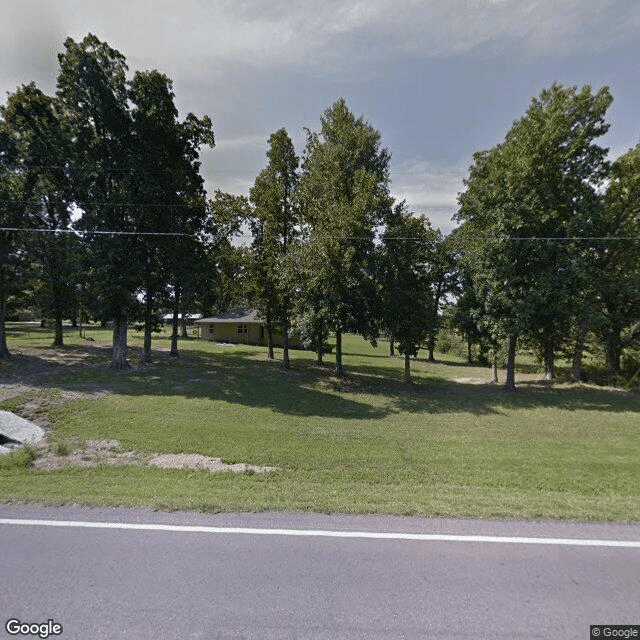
point(369, 444)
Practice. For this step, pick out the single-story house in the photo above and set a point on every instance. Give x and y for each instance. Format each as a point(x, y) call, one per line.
point(243, 327)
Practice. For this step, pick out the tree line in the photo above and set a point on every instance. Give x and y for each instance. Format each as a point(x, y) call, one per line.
point(104, 207)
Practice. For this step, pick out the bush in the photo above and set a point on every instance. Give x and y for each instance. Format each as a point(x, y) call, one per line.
point(61, 448)
point(450, 342)
point(19, 459)
point(311, 345)
point(444, 342)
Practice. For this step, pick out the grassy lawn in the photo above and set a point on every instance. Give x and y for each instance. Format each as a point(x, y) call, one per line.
point(369, 444)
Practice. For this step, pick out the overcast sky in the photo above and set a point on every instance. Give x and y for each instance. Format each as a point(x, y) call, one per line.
point(439, 79)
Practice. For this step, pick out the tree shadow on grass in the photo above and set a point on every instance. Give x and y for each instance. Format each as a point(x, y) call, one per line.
point(436, 394)
point(37, 362)
point(241, 376)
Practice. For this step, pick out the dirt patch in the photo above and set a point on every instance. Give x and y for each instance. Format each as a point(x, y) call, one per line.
point(87, 453)
point(196, 461)
point(34, 400)
point(91, 453)
point(470, 380)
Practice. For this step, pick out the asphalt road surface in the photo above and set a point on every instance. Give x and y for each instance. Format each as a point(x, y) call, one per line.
point(190, 580)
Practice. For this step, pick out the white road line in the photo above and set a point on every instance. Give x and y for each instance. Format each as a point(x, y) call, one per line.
point(429, 537)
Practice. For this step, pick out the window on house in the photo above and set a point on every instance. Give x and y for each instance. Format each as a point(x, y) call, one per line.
point(242, 328)
point(211, 328)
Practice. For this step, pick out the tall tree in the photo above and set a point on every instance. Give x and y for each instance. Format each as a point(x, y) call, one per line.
point(275, 225)
point(170, 192)
point(29, 155)
point(344, 192)
point(616, 261)
point(525, 201)
point(93, 91)
point(44, 149)
point(136, 171)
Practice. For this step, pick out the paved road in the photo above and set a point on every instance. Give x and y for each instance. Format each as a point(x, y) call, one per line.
point(137, 583)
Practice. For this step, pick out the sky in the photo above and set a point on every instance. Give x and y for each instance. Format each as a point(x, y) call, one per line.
point(439, 79)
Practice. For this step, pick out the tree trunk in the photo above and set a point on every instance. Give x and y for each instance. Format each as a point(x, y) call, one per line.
point(270, 341)
point(549, 359)
point(614, 348)
point(74, 318)
point(174, 353)
point(285, 346)
point(392, 348)
point(183, 322)
point(510, 383)
point(4, 351)
point(58, 340)
point(148, 322)
point(431, 346)
point(494, 371)
point(339, 369)
point(469, 354)
point(434, 320)
point(407, 367)
point(120, 362)
point(319, 360)
point(578, 350)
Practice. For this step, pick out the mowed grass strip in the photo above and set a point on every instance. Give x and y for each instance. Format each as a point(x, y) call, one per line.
point(369, 444)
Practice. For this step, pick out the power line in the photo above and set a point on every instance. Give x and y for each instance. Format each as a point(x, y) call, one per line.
point(82, 232)
point(105, 204)
point(567, 238)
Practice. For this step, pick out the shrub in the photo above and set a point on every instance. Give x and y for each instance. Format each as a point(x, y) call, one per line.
point(19, 459)
point(62, 448)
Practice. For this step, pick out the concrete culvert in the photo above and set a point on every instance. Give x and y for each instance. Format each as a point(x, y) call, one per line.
point(16, 431)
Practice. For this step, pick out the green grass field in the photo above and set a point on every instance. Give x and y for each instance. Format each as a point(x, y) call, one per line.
point(368, 444)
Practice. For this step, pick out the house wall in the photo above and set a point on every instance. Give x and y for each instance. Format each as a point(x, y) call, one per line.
point(255, 334)
point(228, 332)
point(278, 339)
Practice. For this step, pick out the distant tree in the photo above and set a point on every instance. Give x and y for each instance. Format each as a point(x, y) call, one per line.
point(344, 194)
point(225, 274)
point(463, 317)
point(409, 247)
point(442, 280)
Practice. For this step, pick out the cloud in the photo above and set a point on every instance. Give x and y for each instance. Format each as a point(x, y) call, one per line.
point(243, 142)
point(429, 188)
point(364, 32)
point(335, 37)
point(31, 33)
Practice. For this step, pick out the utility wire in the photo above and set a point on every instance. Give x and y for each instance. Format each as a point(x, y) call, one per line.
point(82, 232)
point(79, 205)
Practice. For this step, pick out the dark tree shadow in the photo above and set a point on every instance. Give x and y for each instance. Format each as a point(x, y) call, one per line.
point(245, 377)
